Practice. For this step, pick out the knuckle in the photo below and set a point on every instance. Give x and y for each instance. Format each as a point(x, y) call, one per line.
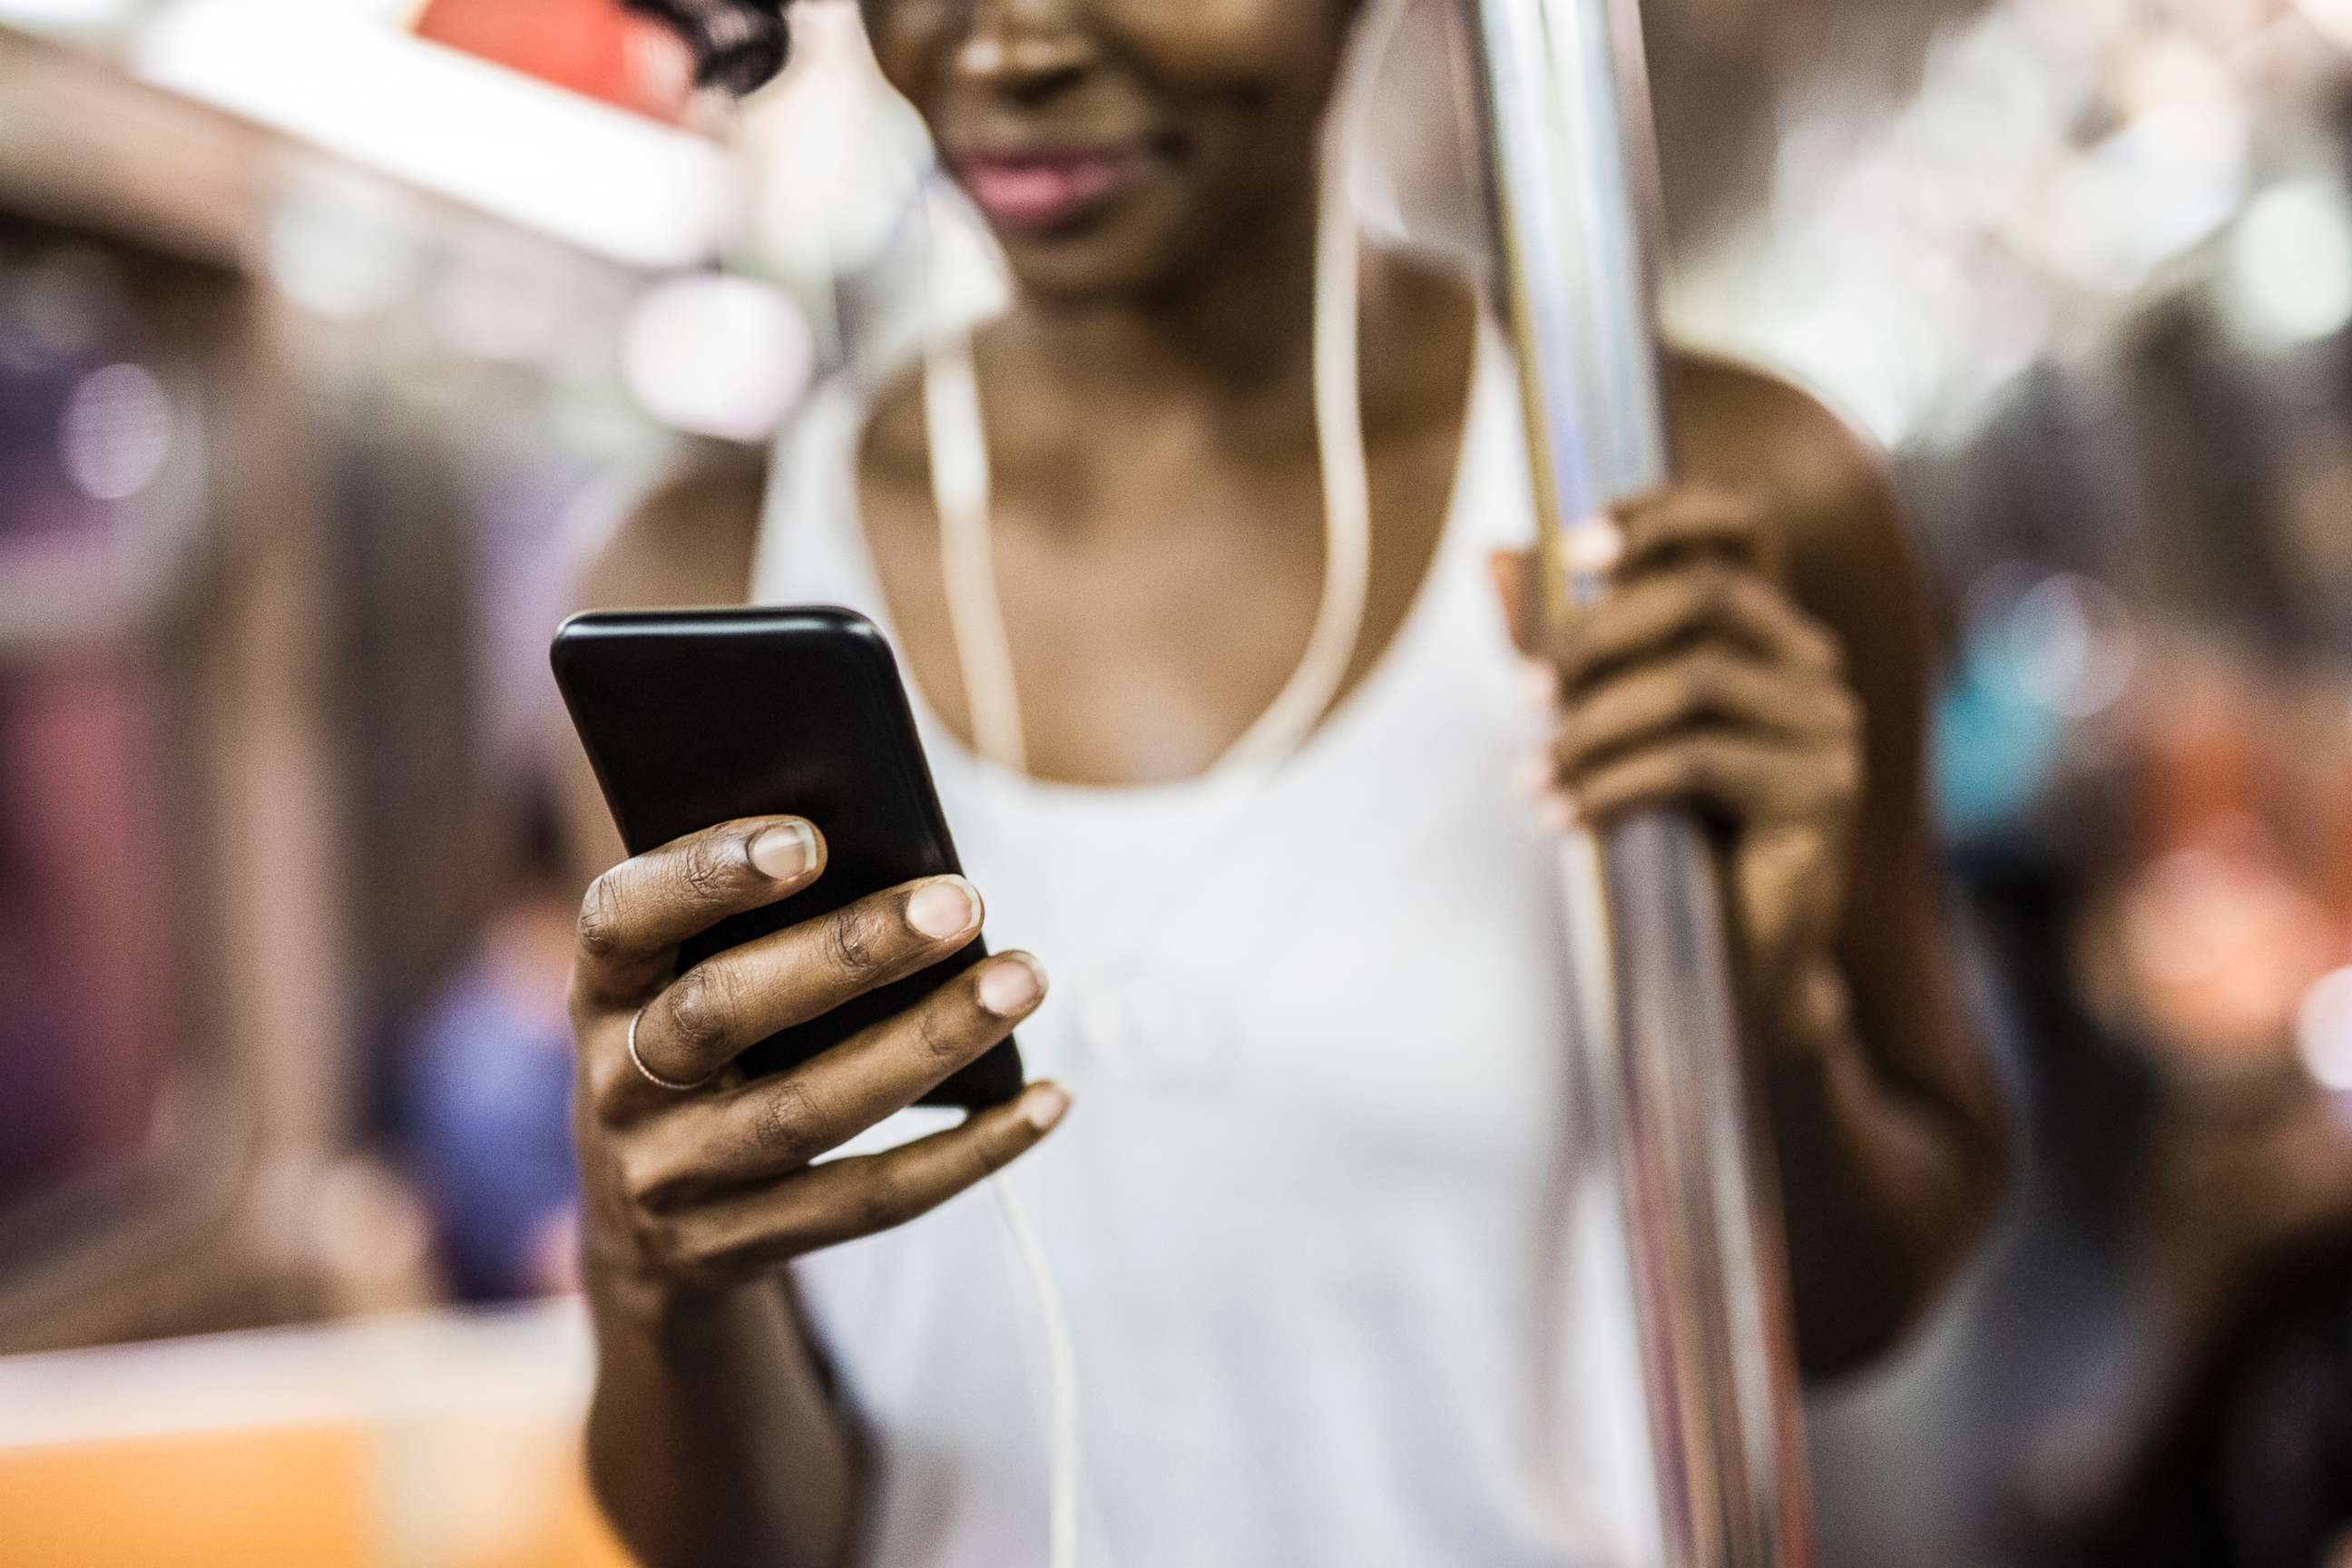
point(1815, 641)
point(610, 1087)
point(1697, 685)
point(1850, 773)
point(700, 1012)
point(942, 1031)
point(580, 1001)
point(711, 869)
point(1715, 591)
point(659, 1239)
point(1849, 717)
point(1603, 798)
point(697, 1248)
point(645, 1177)
point(1830, 651)
point(787, 1236)
point(1715, 676)
point(1692, 770)
point(990, 1155)
point(791, 1125)
point(882, 1201)
point(600, 925)
point(1746, 518)
point(1719, 765)
point(855, 939)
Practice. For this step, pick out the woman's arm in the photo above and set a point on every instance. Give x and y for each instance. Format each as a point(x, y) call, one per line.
point(712, 1437)
point(1891, 1132)
point(1765, 656)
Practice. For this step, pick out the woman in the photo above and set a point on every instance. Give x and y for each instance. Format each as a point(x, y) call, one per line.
point(1309, 1208)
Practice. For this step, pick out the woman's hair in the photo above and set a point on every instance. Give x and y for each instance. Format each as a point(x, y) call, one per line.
point(737, 43)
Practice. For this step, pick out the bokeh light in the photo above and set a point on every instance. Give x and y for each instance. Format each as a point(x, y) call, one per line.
point(812, 220)
point(115, 432)
point(2324, 1031)
point(2333, 18)
point(2290, 277)
point(344, 248)
point(718, 356)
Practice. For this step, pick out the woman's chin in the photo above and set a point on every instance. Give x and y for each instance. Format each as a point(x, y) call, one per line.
point(1117, 256)
point(1077, 272)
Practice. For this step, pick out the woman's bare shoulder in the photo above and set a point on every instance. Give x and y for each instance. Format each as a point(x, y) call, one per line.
point(1849, 556)
point(688, 538)
point(1744, 428)
point(1825, 483)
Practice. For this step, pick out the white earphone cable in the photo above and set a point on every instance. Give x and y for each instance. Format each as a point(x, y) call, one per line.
point(1330, 652)
point(961, 486)
point(1062, 1376)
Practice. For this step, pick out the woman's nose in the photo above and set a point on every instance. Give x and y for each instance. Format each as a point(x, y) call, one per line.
point(1026, 48)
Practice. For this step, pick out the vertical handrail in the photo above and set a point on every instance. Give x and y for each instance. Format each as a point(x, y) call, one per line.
point(1575, 187)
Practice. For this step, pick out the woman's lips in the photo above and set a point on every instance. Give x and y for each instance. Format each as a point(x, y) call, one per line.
point(1049, 189)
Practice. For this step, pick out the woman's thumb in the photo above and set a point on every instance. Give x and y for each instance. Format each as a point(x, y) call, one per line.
point(1514, 572)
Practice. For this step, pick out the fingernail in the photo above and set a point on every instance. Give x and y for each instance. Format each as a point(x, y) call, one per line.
point(1011, 985)
point(948, 907)
point(1532, 779)
point(1540, 685)
point(785, 851)
point(1044, 1106)
point(1593, 547)
point(1559, 813)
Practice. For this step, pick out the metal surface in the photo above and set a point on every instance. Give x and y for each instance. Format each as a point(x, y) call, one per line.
point(1575, 187)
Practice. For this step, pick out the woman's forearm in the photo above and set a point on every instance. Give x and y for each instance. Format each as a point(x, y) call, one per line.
point(1885, 1187)
point(713, 1440)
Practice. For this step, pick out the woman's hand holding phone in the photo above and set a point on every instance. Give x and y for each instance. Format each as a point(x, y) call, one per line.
point(706, 1188)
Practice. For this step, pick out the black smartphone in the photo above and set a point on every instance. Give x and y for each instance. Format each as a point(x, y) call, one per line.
point(693, 718)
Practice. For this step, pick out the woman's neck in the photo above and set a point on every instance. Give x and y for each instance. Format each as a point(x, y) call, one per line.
point(1082, 400)
point(1230, 351)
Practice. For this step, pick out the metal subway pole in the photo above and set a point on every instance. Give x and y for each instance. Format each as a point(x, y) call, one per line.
point(1572, 158)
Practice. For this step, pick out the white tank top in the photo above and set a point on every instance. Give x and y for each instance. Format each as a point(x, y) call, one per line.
point(1342, 1286)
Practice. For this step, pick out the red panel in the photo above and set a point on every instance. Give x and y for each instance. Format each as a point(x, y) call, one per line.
point(590, 47)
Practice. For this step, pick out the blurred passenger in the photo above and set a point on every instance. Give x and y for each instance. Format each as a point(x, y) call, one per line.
point(1308, 1211)
point(2241, 1454)
point(488, 1091)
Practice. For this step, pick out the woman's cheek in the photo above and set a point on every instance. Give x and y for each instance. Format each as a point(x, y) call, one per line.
point(1253, 45)
point(912, 40)
point(1239, 48)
